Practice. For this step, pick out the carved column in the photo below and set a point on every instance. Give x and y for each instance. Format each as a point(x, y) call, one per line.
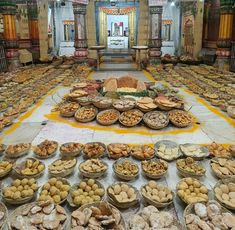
point(33, 28)
point(225, 34)
point(8, 10)
point(155, 37)
point(80, 41)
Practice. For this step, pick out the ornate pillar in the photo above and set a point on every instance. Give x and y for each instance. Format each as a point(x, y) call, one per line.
point(33, 28)
point(80, 41)
point(225, 34)
point(155, 37)
point(8, 10)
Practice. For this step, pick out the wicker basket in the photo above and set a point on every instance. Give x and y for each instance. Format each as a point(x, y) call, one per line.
point(98, 104)
point(224, 181)
point(84, 101)
point(64, 173)
point(75, 187)
point(117, 156)
point(71, 154)
point(142, 158)
point(19, 166)
point(145, 118)
point(131, 125)
point(126, 108)
point(123, 205)
point(177, 124)
point(185, 173)
point(111, 122)
point(92, 174)
point(98, 155)
point(19, 154)
point(156, 203)
point(122, 176)
point(4, 220)
point(3, 149)
point(88, 119)
point(47, 156)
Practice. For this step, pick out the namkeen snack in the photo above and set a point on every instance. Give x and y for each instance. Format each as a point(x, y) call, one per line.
point(142, 152)
point(117, 150)
point(94, 149)
point(46, 148)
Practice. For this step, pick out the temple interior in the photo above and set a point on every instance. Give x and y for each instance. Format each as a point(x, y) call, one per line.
point(117, 114)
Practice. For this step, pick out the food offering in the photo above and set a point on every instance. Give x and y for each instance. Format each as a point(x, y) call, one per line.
point(17, 150)
point(85, 192)
point(222, 167)
point(29, 168)
point(124, 104)
point(208, 215)
point(118, 150)
point(5, 167)
point(131, 117)
point(125, 169)
point(167, 150)
point(156, 119)
point(154, 169)
point(157, 195)
point(191, 190)
point(232, 149)
point(218, 150)
point(84, 101)
point(94, 150)
point(102, 102)
point(142, 152)
point(3, 215)
point(93, 168)
point(165, 103)
point(20, 191)
point(108, 117)
point(62, 167)
point(2, 148)
point(100, 214)
point(69, 109)
point(194, 151)
point(86, 114)
point(180, 118)
point(152, 218)
point(55, 190)
point(224, 192)
point(71, 149)
point(46, 149)
point(74, 95)
point(123, 195)
point(39, 215)
point(146, 104)
point(189, 167)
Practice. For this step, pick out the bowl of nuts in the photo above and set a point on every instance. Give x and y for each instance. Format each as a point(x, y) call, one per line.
point(157, 195)
point(142, 152)
point(71, 149)
point(86, 114)
point(123, 195)
point(46, 149)
point(17, 150)
point(93, 168)
point(108, 117)
point(20, 191)
point(131, 117)
point(118, 150)
point(125, 169)
point(180, 118)
point(155, 168)
point(85, 192)
point(62, 167)
point(29, 168)
point(94, 150)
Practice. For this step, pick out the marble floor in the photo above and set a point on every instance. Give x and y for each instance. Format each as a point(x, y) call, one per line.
point(39, 123)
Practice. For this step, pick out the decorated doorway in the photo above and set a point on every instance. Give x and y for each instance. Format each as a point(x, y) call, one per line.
point(117, 25)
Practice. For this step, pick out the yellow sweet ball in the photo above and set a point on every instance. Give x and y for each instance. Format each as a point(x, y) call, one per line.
point(13, 188)
point(77, 200)
point(91, 193)
point(44, 192)
point(25, 193)
point(75, 193)
point(94, 187)
point(16, 183)
point(87, 188)
point(31, 192)
point(24, 181)
point(42, 198)
point(20, 188)
point(26, 187)
point(85, 194)
point(82, 185)
point(58, 184)
point(8, 193)
point(80, 191)
point(99, 192)
point(56, 199)
point(96, 198)
point(34, 187)
point(65, 188)
point(41, 167)
point(47, 186)
point(84, 201)
point(53, 190)
point(63, 194)
point(31, 181)
point(91, 182)
point(52, 181)
point(16, 195)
